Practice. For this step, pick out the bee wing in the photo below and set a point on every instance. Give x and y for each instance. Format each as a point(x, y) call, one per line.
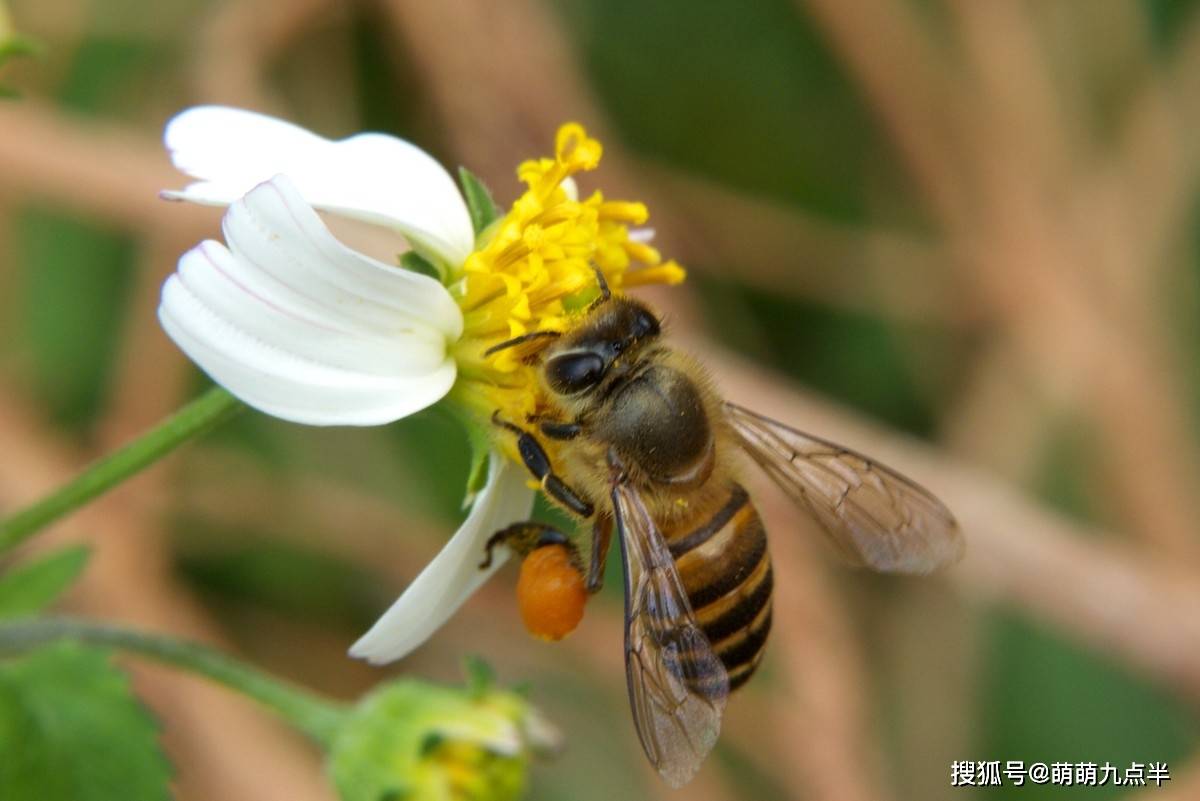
point(677, 685)
point(875, 517)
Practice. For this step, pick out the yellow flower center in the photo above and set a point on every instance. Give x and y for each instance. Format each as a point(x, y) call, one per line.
point(535, 270)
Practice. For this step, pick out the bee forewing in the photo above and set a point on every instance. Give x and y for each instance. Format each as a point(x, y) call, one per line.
point(875, 517)
point(677, 685)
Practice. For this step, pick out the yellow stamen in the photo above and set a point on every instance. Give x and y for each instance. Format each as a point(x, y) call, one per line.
point(624, 211)
point(535, 271)
point(669, 273)
point(640, 251)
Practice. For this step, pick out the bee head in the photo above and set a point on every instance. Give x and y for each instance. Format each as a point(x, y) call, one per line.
point(613, 333)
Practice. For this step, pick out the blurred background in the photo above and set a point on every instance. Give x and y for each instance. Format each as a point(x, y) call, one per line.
point(960, 235)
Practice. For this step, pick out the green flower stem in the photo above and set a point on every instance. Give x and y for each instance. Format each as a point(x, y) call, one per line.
point(203, 413)
point(319, 718)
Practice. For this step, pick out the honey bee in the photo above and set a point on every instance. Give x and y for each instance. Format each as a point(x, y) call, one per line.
point(643, 441)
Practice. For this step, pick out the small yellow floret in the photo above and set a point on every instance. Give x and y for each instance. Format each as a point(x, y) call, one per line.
point(534, 270)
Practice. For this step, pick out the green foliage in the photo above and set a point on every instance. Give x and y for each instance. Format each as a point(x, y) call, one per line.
point(1047, 700)
point(387, 87)
point(73, 732)
point(108, 76)
point(1066, 476)
point(479, 200)
point(77, 279)
point(280, 576)
point(1168, 19)
point(439, 449)
point(32, 587)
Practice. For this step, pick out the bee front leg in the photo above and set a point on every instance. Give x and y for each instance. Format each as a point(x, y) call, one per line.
point(535, 458)
point(561, 431)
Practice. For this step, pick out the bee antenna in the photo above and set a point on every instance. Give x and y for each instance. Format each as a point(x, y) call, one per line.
point(605, 292)
point(521, 340)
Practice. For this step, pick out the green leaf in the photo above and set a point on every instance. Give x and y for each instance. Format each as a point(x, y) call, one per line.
point(32, 587)
point(481, 446)
point(479, 200)
point(70, 730)
point(481, 676)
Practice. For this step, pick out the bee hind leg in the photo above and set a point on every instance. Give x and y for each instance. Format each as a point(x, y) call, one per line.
point(526, 537)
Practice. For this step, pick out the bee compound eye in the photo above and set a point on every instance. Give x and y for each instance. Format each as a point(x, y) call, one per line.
point(574, 372)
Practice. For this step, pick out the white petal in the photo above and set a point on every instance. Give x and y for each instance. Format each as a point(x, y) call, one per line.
point(276, 231)
point(454, 573)
point(278, 381)
point(492, 729)
point(370, 176)
point(304, 329)
point(271, 311)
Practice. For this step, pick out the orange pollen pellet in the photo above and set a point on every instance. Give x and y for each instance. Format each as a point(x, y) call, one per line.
point(550, 593)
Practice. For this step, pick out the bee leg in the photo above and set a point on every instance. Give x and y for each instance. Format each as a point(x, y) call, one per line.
point(601, 538)
point(555, 429)
point(526, 537)
point(535, 458)
point(560, 431)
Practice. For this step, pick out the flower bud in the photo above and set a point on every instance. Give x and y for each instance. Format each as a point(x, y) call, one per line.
point(412, 741)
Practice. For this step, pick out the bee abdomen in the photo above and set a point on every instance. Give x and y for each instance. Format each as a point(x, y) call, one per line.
point(726, 570)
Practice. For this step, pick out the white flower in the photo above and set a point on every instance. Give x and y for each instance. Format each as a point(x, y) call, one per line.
point(301, 327)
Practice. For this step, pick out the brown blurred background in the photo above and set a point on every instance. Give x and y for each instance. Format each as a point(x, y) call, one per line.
point(960, 235)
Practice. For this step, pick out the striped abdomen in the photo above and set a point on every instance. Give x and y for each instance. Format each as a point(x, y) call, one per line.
point(726, 570)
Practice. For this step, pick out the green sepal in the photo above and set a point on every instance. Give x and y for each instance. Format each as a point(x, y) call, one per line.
point(481, 677)
point(481, 446)
point(71, 730)
point(413, 261)
point(479, 201)
point(32, 587)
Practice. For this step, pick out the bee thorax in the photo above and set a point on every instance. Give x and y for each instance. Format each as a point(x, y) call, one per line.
point(658, 424)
